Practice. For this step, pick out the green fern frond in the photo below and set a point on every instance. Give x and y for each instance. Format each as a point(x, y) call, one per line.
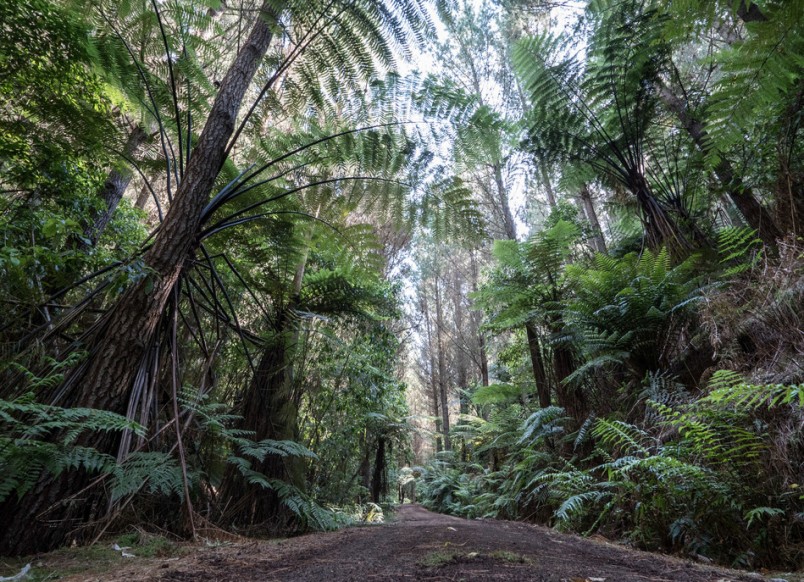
point(626, 438)
point(157, 472)
point(259, 450)
point(739, 249)
point(580, 504)
point(543, 423)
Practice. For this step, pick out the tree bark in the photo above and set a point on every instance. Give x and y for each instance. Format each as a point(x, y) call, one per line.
point(442, 368)
point(597, 240)
point(425, 310)
point(121, 347)
point(548, 187)
point(483, 359)
point(539, 374)
point(379, 484)
point(508, 219)
point(461, 359)
point(113, 189)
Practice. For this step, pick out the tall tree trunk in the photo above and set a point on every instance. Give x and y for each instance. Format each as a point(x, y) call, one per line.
point(142, 197)
point(508, 219)
point(743, 197)
point(548, 186)
point(431, 351)
point(113, 188)
point(442, 368)
point(483, 358)
point(119, 352)
point(365, 465)
point(597, 240)
point(461, 357)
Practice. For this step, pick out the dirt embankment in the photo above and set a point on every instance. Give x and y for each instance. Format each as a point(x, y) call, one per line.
point(420, 545)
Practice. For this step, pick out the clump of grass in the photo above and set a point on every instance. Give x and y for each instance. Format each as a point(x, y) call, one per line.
point(443, 558)
point(147, 545)
point(438, 559)
point(511, 557)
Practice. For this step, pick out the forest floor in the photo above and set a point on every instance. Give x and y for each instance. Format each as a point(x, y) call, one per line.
point(416, 545)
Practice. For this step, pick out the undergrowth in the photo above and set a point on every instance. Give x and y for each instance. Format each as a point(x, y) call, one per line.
point(711, 468)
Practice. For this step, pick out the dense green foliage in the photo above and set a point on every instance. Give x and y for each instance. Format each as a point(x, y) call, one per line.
point(252, 270)
point(646, 384)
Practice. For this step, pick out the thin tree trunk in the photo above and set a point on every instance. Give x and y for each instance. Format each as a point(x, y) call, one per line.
point(508, 219)
point(461, 363)
point(548, 186)
point(425, 310)
point(365, 465)
point(597, 240)
point(483, 359)
point(113, 189)
point(120, 350)
point(442, 368)
point(142, 197)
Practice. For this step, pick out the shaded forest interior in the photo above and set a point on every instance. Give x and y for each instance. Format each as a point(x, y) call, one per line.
point(272, 266)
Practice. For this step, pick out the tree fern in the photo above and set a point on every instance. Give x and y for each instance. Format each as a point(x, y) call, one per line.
point(624, 306)
point(729, 390)
point(600, 113)
point(622, 437)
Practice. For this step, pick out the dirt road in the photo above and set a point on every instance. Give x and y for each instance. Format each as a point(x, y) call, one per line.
point(420, 545)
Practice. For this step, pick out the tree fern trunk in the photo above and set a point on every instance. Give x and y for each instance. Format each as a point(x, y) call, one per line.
point(270, 409)
point(121, 346)
point(570, 398)
point(539, 375)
